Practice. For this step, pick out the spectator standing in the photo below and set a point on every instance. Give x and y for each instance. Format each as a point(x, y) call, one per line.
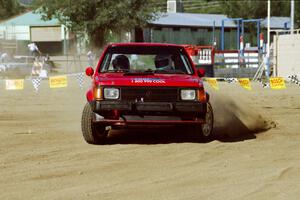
point(2, 57)
point(34, 50)
point(91, 57)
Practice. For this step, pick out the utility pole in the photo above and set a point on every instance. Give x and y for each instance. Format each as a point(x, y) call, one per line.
point(292, 16)
point(268, 31)
point(267, 60)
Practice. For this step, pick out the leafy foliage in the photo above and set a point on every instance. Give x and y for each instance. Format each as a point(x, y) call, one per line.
point(203, 6)
point(247, 9)
point(99, 18)
point(9, 8)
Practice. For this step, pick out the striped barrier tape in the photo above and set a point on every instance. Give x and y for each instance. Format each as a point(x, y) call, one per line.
point(275, 83)
point(60, 81)
point(294, 79)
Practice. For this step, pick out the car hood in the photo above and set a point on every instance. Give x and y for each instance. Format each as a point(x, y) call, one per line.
point(153, 80)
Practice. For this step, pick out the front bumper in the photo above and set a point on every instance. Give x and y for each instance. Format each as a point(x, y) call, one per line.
point(121, 113)
point(140, 121)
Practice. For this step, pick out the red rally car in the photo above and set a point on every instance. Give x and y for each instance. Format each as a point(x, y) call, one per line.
point(145, 84)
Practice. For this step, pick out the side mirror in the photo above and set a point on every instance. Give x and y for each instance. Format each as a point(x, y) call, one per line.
point(89, 71)
point(201, 72)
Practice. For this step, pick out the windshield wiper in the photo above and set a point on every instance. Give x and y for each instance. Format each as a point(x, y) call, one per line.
point(147, 72)
point(159, 71)
point(117, 70)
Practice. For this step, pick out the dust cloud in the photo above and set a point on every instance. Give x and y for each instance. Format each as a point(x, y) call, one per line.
point(236, 118)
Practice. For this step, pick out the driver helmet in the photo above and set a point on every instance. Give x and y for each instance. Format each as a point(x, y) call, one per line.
point(121, 62)
point(162, 61)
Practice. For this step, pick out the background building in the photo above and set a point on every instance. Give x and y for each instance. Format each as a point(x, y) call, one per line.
point(180, 27)
point(187, 28)
point(51, 36)
point(203, 29)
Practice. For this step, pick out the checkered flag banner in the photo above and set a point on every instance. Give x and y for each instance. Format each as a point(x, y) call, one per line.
point(36, 82)
point(231, 80)
point(80, 79)
point(294, 79)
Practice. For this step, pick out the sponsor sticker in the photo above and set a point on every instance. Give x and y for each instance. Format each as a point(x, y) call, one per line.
point(17, 84)
point(277, 83)
point(245, 83)
point(213, 83)
point(58, 81)
point(148, 80)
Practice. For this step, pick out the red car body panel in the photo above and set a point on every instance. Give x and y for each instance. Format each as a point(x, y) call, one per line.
point(172, 80)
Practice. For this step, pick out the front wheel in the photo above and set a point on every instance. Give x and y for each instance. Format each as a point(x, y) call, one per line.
point(93, 133)
point(207, 127)
point(205, 130)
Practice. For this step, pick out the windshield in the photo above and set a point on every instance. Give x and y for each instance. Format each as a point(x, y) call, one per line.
point(146, 59)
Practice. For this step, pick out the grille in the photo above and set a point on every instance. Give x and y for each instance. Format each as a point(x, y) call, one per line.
point(149, 94)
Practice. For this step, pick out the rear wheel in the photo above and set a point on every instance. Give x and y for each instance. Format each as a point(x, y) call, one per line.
point(93, 133)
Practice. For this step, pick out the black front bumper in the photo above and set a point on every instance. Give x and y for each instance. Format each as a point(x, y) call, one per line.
point(159, 108)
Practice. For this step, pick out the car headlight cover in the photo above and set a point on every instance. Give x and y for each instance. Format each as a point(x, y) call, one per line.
point(111, 93)
point(188, 94)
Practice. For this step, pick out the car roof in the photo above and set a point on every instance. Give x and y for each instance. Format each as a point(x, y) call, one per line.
point(145, 44)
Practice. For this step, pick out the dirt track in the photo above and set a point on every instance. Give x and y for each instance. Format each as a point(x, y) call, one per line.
point(43, 155)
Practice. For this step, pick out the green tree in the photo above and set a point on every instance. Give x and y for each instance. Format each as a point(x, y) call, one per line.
point(9, 8)
point(255, 9)
point(297, 14)
point(247, 9)
point(99, 18)
point(203, 6)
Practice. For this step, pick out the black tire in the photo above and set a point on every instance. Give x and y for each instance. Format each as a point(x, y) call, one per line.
point(204, 132)
point(207, 128)
point(93, 133)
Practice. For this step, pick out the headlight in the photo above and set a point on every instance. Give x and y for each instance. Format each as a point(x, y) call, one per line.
point(111, 93)
point(188, 94)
